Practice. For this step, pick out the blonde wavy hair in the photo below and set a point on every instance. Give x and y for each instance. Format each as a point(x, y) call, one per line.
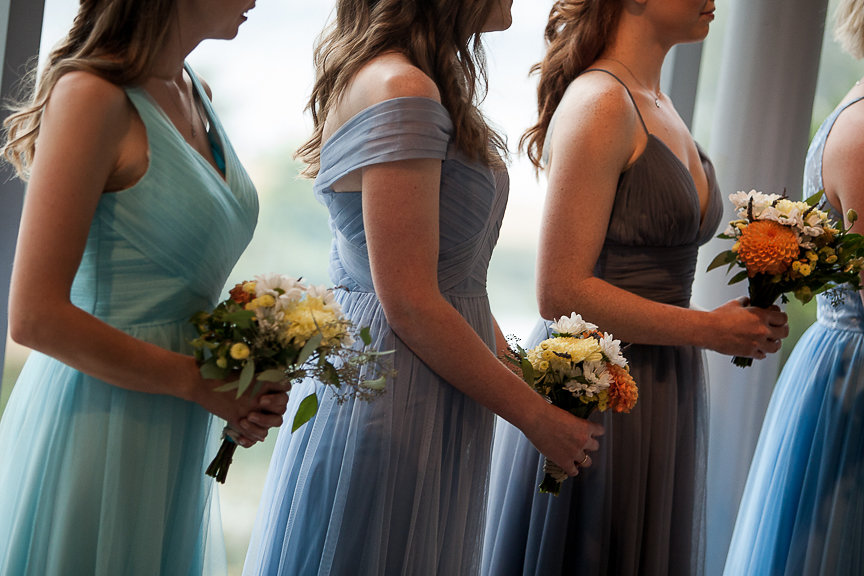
point(440, 37)
point(577, 32)
point(114, 39)
point(849, 26)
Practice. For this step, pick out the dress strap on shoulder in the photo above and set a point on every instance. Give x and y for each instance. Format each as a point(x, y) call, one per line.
point(633, 100)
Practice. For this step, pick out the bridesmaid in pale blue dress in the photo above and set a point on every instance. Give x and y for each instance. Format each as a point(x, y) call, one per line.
point(136, 210)
point(630, 199)
point(802, 512)
point(416, 189)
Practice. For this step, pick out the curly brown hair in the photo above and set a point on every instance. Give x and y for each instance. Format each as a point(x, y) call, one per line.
point(114, 39)
point(577, 32)
point(440, 37)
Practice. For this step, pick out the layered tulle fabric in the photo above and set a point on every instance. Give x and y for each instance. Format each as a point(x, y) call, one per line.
point(96, 479)
point(639, 509)
point(802, 512)
point(396, 485)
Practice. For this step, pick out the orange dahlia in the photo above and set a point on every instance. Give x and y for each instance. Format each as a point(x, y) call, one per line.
point(623, 392)
point(767, 247)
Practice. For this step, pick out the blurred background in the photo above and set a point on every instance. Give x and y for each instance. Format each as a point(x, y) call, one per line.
point(260, 83)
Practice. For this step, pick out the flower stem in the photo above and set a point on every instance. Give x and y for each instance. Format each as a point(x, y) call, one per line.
point(219, 466)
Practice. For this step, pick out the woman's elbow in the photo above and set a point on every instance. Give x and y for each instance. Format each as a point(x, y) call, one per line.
point(553, 303)
point(22, 328)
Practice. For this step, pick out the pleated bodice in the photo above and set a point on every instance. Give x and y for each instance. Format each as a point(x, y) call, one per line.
point(472, 196)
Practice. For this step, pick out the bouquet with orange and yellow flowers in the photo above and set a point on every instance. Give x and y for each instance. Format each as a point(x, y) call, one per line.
point(277, 329)
point(792, 247)
point(578, 369)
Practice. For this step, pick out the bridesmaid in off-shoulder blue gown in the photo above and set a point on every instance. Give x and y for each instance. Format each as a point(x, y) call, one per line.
point(134, 216)
point(398, 485)
point(802, 512)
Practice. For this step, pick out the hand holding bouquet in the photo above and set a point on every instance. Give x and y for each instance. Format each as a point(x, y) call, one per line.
point(785, 246)
point(578, 370)
point(277, 329)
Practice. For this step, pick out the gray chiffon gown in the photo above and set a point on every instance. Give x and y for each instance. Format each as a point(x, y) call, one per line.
point(639, 510)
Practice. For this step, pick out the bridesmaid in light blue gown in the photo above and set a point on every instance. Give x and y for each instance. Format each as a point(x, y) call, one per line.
point(630, 198)
point(802, 512)
point(416, 189)
point(136, 210)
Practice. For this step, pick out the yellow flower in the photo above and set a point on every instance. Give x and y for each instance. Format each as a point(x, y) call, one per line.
point(222, 362)
point(265, 301)
point(811, 256)
point(543, 366)
point(805, 270)
point(310, 316)
point(250, 287)
point(239, 351)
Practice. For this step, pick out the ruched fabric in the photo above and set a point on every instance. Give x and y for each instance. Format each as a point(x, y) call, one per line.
point(396, 485)
point(99, 480)
point(802, 512)
point(639, 509)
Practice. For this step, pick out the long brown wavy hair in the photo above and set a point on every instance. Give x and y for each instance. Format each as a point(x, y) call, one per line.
point(577, 32)
point(114, 39)
point(440, 37)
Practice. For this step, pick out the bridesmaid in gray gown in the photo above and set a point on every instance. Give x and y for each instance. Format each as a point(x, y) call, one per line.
point(630, 199)
point(416, 189)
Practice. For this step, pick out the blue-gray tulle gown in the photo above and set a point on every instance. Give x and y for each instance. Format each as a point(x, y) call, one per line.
point(802, 512)
point(99, 480)
point(396, 485)
point(639, 509)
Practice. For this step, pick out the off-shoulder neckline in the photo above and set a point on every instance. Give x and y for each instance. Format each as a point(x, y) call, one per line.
point(359, 116)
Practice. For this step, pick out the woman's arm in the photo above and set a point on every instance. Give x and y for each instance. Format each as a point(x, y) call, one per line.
point(400, 214)
point(597, 135)
point(85, 139)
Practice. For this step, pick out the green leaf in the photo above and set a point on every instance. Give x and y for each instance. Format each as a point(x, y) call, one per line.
point(738, 277)
point(309, 348)
point(722, 259)
point(246, 376)
point(211, 371)
point(527, 371)
point(815, 198)
point(366, 336)
point(227, 386)
point(308, 408)
point(242, 318)
point(272, 375)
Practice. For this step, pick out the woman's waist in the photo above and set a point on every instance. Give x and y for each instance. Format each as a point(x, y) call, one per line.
point(143, 305)
point(661, 274)
point(840, 310)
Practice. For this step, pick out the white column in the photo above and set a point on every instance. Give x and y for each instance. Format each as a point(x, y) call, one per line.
point(759, 140)
point(20, 32)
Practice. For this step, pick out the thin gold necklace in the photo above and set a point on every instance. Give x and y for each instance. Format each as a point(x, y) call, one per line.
point(653, 93)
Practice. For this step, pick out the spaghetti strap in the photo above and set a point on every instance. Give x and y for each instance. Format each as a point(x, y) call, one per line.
point(633, 100)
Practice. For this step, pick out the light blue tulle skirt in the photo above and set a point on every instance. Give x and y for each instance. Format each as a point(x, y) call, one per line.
point(98, 480)
point(803, 508)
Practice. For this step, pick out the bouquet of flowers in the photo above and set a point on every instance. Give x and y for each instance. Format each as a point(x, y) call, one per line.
point(578, 369)
point(785, 246)
point(277, 329)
